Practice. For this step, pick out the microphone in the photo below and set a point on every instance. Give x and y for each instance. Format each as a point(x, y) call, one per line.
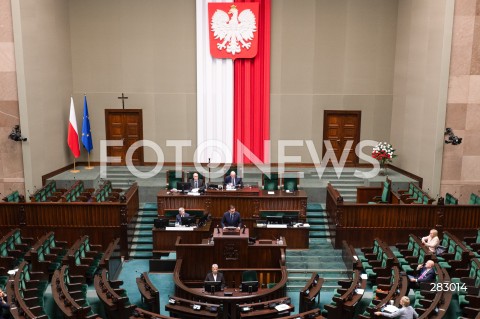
point(244, 227)
point(218, 229)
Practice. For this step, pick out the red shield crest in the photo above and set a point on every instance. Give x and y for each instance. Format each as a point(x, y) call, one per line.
point(233, 29)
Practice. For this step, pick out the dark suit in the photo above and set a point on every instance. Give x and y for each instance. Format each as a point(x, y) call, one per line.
point(429, 276)
point(199, 182)
point(178, 219)
point(4, 308)
point(220, 277)
point(228, 221)
point(238, 181)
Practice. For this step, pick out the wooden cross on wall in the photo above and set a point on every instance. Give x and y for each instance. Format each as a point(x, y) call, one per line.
point(123, 100)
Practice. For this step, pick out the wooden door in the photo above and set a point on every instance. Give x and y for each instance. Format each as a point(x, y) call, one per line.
point(126, 125)
point(340, 127)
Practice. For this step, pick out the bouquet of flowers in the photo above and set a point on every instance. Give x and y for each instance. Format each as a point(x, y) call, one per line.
point(383, 152)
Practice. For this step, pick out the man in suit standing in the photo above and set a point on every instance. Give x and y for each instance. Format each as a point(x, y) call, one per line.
point(425, 273)
point(181, 213)
point(233, 180)
point(231, 218)
point(195, 182)
point(214, 275)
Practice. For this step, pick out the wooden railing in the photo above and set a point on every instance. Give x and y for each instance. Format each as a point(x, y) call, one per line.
point(113, 298)
point(103, 222)
point(310, 292)
point(359, 223)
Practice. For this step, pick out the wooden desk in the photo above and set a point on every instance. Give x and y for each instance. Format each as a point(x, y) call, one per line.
point(230, 303)
point(262, 310)
point(184, 308)
point(231, 253)
point(164, 240)
point(248, 201)
point(297, 237)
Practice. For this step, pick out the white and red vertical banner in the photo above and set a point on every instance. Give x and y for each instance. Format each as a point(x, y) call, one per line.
point(233, 98)
point(72, 138)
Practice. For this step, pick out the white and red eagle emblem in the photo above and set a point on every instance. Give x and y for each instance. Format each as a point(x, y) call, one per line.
point(233, 30)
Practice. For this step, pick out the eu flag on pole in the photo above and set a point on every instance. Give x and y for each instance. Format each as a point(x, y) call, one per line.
point(86, 133)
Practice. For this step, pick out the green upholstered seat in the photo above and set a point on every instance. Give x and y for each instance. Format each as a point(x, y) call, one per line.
point(450, 200)
point(385, 197)
point(270, 183)
point(14, 197)
point(249, 275)
point(290, 181)
point(173, 177)
point(474, 199)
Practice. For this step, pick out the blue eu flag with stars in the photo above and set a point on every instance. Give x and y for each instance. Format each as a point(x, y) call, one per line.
point(86, 133)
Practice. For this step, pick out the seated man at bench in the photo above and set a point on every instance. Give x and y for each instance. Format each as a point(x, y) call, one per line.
point(216, 276)
point(425, 274)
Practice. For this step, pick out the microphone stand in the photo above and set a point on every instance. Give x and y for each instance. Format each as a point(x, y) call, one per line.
point(209, 170)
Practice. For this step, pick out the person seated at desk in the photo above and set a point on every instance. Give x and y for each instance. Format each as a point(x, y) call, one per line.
point(231, 218)
point(214, 275)
point(233, 180)
point(195, 182)
point(406, 312)
point(431, 241)
point(181, 213)
point(425, 273)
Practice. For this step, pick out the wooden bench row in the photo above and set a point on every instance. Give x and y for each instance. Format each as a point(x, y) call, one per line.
point(47, 253)
point(106, 193)
point(149, 294)
point(394, 287)
point(13, 247)
point(69, 293)
point(25, 293)
point(114, 299)
point(48, 193)
point(83, 258)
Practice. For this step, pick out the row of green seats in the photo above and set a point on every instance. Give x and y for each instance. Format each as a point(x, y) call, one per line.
point(13, 197)
point(474, 199)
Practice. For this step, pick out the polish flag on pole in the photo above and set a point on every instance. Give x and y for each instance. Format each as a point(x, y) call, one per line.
point(73, 131)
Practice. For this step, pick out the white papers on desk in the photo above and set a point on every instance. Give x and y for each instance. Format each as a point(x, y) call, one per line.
point(12, 272)
point(359, 291)
point(282, 307)
point(390, 308)
point(302, 225)
point(231, 189)
point(355, 257)
point(276, 226)
point(193, 193)
point(271, 193)
point(180, 228)
point(364, 276)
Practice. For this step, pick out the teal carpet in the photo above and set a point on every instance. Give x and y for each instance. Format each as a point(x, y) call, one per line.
point(150, 206)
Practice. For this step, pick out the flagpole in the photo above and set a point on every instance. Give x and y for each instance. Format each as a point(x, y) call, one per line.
point(74, 170)
point(89, 167)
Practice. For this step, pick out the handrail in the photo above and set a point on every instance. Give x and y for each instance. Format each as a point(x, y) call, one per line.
point(18, 298)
